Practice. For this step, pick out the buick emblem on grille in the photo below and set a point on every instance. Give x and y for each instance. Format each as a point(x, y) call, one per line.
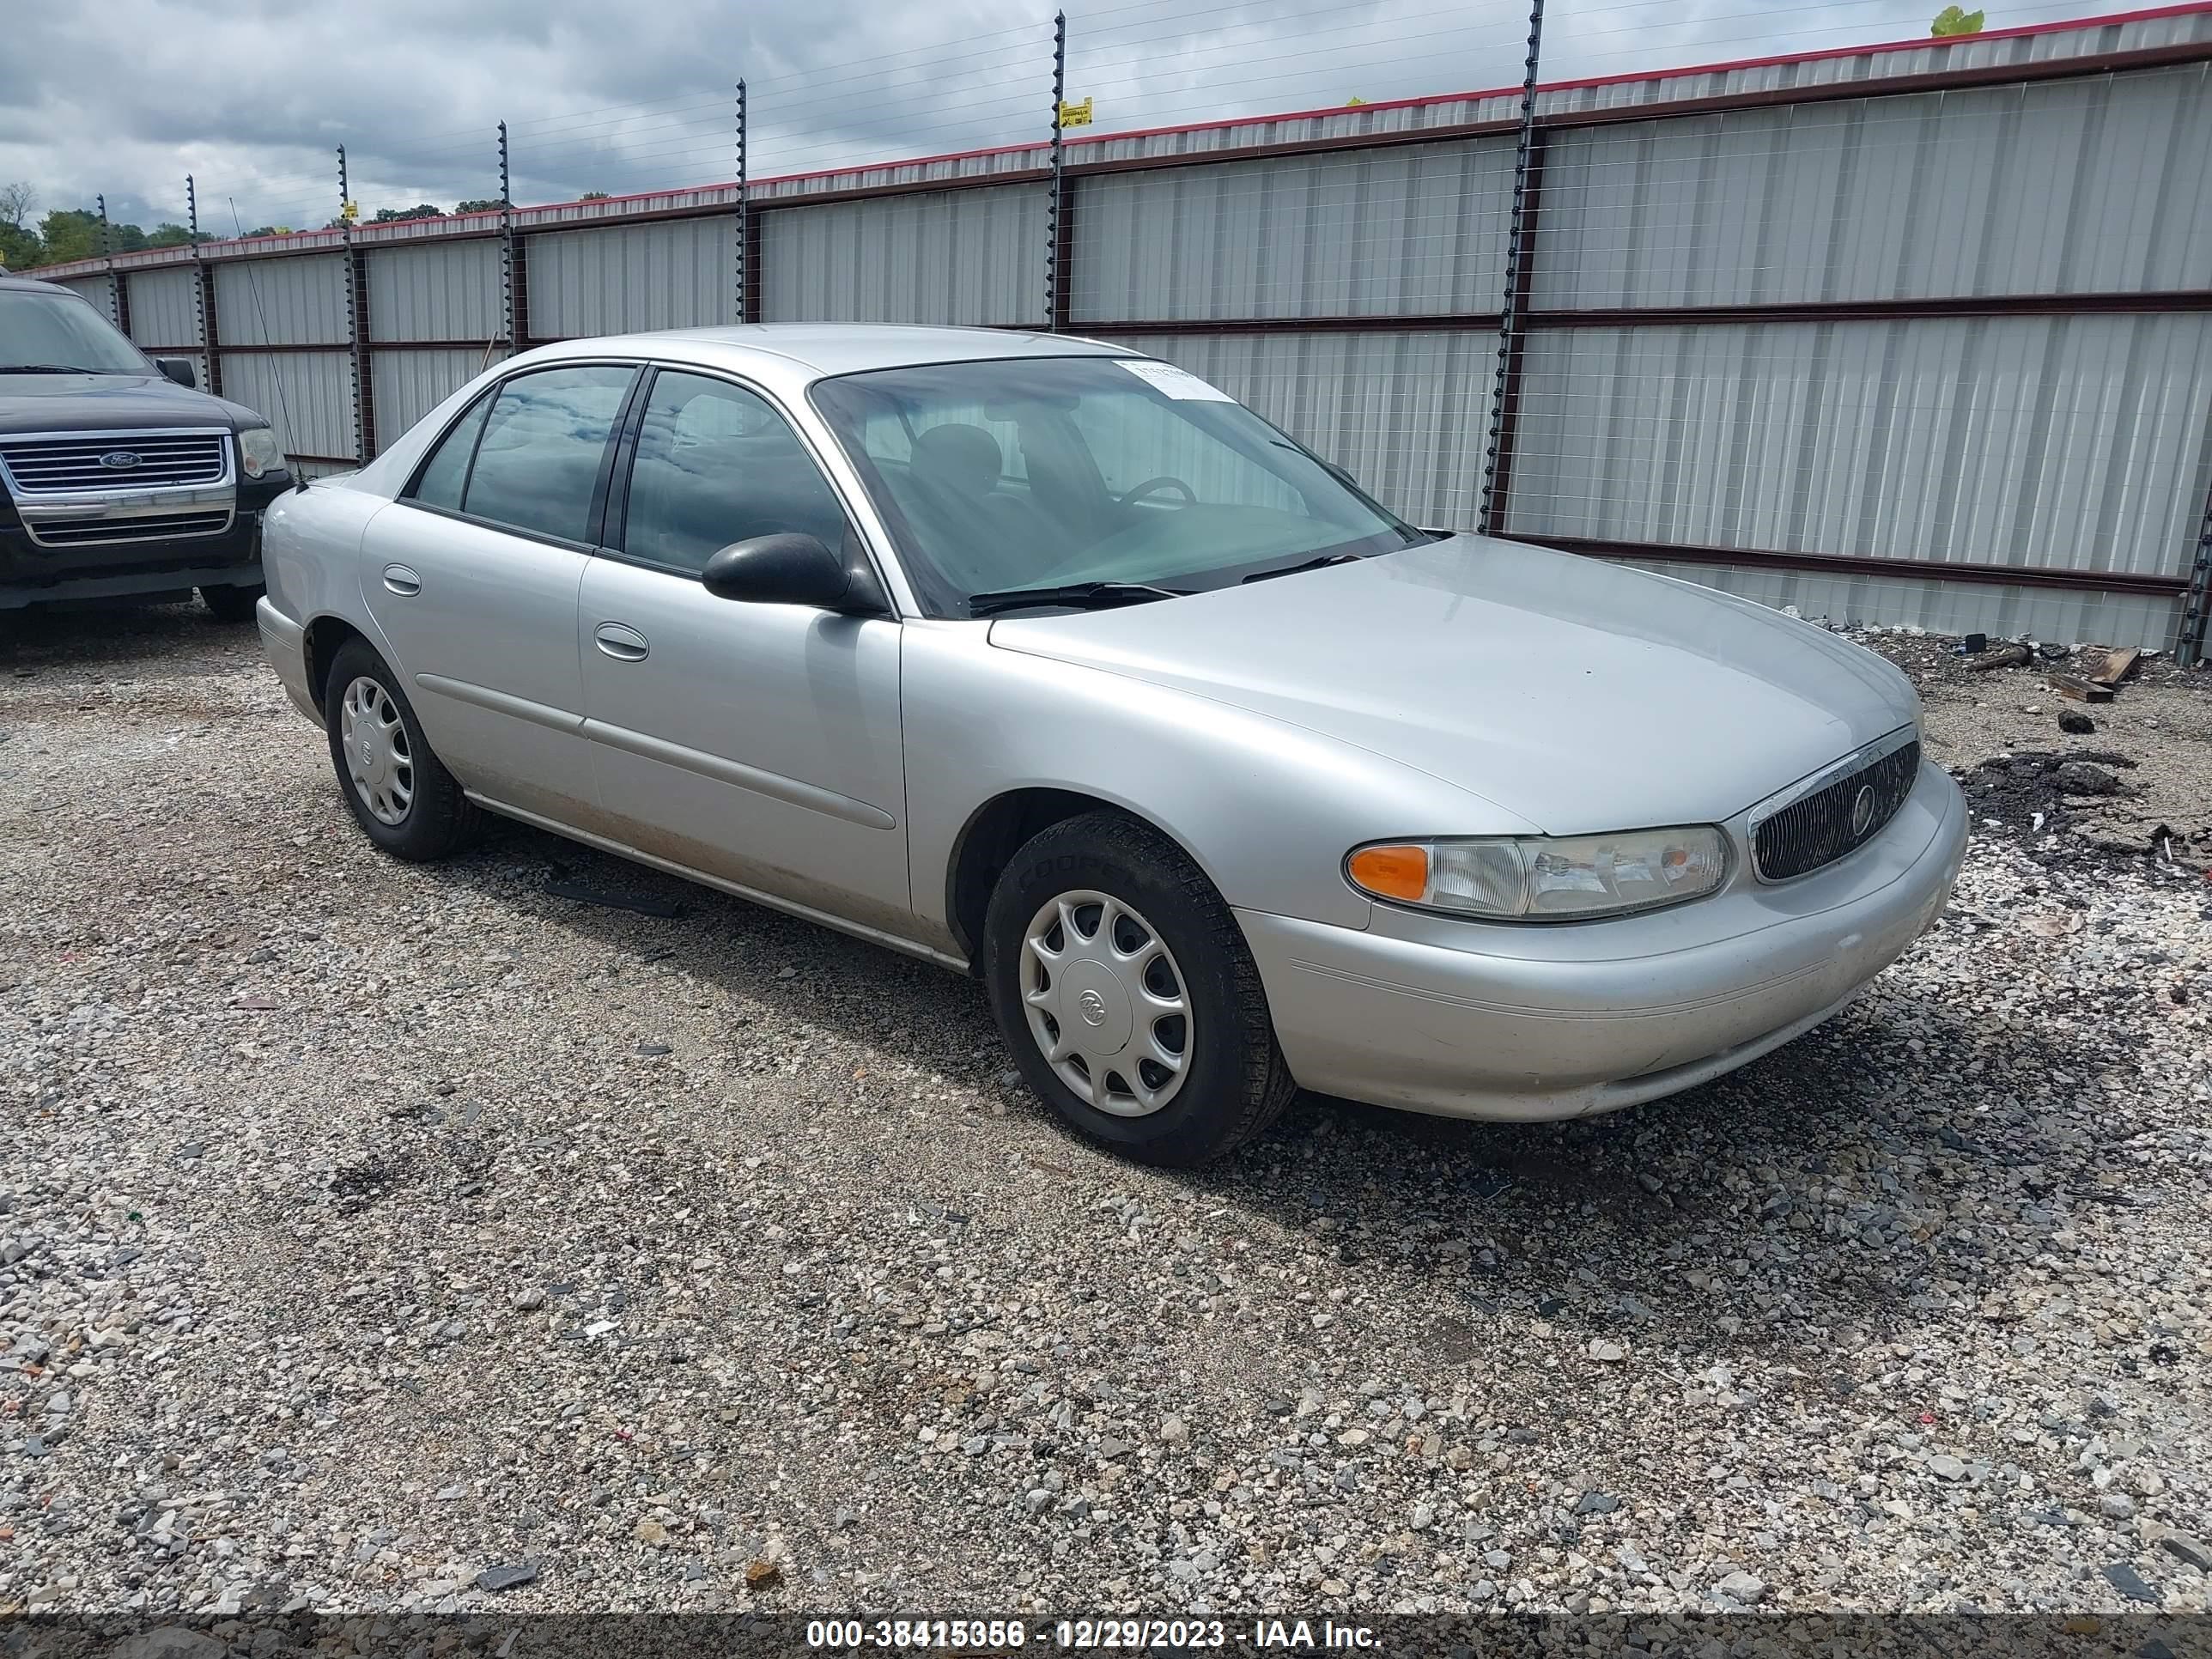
point(1862, 810)
point(120, 460)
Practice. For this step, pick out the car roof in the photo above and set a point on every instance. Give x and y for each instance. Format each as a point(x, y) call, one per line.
point(9, 280)
point(828, 348)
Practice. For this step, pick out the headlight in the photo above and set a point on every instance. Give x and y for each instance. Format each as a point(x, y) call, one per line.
point(258, 453)
point(1545, 878)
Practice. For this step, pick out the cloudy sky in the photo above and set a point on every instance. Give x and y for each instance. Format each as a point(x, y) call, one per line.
point(252, 96)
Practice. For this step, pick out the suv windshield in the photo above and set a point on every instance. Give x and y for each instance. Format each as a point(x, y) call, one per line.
point(1054, 472)
point(46, 332)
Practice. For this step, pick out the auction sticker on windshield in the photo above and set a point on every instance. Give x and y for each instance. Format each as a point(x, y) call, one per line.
point(1177, 383)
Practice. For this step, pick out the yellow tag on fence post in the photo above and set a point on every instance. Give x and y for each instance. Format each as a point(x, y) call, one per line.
point(1075, 115)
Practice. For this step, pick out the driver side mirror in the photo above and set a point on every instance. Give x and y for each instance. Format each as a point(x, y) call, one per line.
point(791, 569)
point(177, 369)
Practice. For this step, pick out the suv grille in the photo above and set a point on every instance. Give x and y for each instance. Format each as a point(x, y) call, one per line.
point(143, 527)
point(1831, 821)
point(163, 460)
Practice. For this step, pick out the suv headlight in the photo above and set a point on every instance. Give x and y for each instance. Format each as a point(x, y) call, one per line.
point(258, 453)
point(1545, 878)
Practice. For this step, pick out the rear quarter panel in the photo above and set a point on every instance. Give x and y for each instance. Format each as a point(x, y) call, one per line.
point(311, 556)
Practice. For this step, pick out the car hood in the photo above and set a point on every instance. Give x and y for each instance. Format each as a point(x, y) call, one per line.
point(109, 402)
point(1578, 694)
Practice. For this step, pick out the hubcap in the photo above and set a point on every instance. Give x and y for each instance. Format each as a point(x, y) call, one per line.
point(1106, 1003)
point(375, 742)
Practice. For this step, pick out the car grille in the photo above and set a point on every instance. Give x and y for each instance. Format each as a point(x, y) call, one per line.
point(1819, 829)
point(52, 466)
point(145, 527)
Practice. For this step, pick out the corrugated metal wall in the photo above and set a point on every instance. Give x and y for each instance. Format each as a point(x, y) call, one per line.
point(2002, 611)
point(308, 397)
point(677, 273)
point(435, 291)
point(1405, 413)
point(409, 385)
point(283, 301)
point(1416, 230)
point(2063, 443)
point(165, 308)
point(970, 256)
point(2099, 186)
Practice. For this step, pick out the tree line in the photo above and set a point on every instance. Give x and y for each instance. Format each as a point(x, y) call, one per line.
point(431, 211)
point(69, 232)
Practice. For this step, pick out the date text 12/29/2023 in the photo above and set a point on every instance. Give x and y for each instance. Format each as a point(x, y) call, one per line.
point(1083, 1635)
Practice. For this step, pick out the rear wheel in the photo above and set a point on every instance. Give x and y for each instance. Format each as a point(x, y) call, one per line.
point(1132, 1005)
point(232, 603)
point(400, 792)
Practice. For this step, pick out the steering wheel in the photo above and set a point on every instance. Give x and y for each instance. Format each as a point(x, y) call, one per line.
point(1132, 497)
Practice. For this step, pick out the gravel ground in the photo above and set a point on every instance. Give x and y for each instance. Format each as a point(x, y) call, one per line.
point(378, 1237)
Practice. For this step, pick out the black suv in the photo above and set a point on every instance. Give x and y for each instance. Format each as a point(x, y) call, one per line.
point(116, 478)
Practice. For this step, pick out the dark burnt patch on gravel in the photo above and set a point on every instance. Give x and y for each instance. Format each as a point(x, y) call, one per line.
point(2133, 791)
point(2031, 794)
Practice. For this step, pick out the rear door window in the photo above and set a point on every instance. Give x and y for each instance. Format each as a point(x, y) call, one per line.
point(446, 475)
point(537, 464)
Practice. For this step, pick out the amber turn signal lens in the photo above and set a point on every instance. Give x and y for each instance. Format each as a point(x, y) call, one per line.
point(1398, 873)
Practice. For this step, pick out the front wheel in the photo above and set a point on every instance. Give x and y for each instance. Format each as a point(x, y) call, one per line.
point(231, 603)
point(1127, 995)
point(400, 792)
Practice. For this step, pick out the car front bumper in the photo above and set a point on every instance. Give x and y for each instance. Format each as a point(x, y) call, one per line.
point(1470, 1019)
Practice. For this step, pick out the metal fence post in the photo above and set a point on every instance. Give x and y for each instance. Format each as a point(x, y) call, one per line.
point(1055, 301)
point(506, 267)
point(1505, 393)
point(202, 291)
point(107, 253)
point(2196, 605)
point(743, 227)
point(356, 305)
point(199, 282)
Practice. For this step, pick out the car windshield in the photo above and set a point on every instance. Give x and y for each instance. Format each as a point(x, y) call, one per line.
point(1059, 472)
point(47, 333)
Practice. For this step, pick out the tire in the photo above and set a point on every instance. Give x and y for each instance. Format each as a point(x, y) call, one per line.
point(232, 603)
point(401, 794)
point(1122, 881)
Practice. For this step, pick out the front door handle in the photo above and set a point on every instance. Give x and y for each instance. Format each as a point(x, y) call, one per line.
point(621, 642)
point(402, 581)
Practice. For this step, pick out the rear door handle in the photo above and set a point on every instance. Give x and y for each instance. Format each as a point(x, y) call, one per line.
point(402, 581)
point(621, 642)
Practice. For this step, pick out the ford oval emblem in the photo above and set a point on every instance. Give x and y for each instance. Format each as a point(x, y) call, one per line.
point(1862, 810)
point(120, 460)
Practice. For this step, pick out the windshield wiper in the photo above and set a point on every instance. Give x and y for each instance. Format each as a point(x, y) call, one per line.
point(46, 368)
point(1309, 564)
point(1083, 596)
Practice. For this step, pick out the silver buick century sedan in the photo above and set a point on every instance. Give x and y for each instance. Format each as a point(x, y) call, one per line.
point(1051, 663)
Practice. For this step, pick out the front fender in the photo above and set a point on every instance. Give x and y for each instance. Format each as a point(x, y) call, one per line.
point(1266, 809)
